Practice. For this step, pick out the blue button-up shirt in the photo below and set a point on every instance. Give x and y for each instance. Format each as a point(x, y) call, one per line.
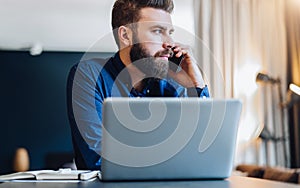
point(89, 83)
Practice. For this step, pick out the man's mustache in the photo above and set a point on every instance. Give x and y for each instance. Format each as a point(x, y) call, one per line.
point(164, 52)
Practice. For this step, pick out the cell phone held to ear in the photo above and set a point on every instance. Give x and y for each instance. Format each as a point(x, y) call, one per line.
point(174, 62)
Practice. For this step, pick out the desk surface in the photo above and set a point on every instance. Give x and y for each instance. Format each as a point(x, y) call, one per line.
point(232, 182)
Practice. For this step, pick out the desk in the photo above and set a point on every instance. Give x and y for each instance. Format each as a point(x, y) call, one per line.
point(232, 182)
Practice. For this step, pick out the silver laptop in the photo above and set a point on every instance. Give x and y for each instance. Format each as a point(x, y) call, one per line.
point(168, 138)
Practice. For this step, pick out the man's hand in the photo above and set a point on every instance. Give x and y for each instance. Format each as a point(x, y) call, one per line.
point(189, 75)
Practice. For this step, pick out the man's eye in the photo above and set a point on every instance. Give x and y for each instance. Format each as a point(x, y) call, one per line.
point(157, 31)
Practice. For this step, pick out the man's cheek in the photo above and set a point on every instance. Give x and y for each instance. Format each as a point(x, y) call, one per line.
point(153, 47)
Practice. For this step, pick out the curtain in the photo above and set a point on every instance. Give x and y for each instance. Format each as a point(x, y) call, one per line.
point(293, 35)
point(239, 38)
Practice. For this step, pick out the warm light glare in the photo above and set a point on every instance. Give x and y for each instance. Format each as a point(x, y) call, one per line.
point(295, 88)
point(245, 78)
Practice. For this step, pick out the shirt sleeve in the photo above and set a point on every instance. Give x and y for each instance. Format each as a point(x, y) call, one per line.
point(85, 122)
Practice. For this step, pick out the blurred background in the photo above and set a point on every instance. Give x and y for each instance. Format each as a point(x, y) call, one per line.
point(248, 49)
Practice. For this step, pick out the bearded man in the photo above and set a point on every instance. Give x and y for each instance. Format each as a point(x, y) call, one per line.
point(141, 68)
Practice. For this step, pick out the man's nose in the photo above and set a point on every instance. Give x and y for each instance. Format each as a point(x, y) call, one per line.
point(167, 45)
point(168, 40)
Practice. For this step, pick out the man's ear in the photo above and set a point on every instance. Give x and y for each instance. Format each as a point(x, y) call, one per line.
point(125, 36)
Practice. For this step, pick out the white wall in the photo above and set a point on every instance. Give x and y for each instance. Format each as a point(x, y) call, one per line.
point(67, 25)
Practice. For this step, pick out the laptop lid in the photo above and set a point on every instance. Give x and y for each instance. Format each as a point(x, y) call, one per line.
point(168, 138)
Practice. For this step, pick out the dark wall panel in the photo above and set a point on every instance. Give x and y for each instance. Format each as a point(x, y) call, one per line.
point(33, 108)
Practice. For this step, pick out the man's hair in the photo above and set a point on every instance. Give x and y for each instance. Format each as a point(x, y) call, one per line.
point(126, 12)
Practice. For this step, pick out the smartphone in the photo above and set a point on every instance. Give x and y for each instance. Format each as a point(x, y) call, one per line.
point(175, 62)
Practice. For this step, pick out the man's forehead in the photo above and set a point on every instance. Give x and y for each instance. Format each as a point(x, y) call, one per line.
point(155, 24)
point(152, 16)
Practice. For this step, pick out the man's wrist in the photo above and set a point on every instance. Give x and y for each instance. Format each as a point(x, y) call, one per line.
point(198, 92)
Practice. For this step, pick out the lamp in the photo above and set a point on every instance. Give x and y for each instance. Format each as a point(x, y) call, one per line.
point(264, 78)
point(266, 134)
point(293, 96)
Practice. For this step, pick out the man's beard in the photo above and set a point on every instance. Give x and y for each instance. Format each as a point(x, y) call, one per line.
point(151, 66)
